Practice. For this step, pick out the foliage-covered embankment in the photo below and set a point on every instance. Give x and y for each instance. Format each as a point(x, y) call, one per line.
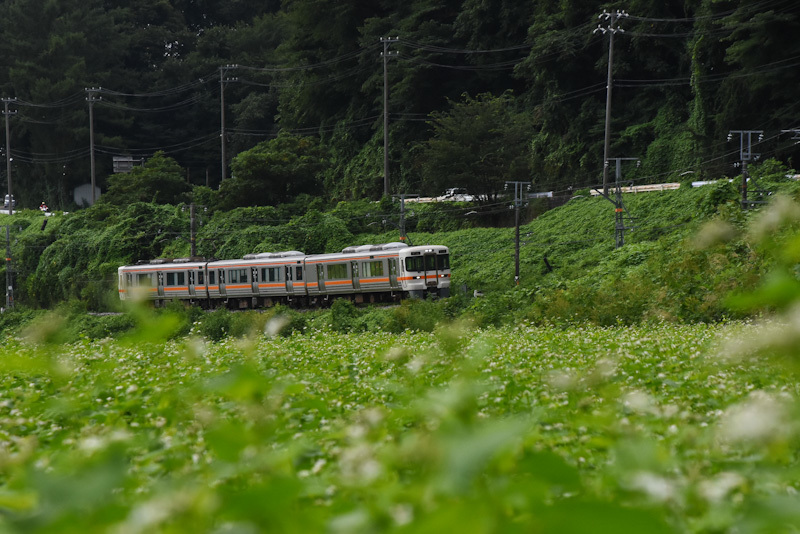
point(672, 267)
point(570, 271)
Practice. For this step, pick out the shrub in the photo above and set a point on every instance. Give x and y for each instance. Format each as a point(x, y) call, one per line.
point(215, 325)
point(416, 316)
point(343, 315)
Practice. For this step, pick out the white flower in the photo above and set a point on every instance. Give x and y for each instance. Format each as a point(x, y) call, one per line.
point(718, 488)
point(759, 418)
point(640, 402)
point(655, 486)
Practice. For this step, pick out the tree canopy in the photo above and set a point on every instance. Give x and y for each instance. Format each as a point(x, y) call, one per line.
point(159, 181)
point(478, 144)
point(170, 75)
point(273, 172)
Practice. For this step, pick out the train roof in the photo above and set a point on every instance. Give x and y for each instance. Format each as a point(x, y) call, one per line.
point(163, 264)
point(284, 257)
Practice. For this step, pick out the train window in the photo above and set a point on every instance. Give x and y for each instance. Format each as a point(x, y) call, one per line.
point(200, 277)
point(443, 262)
point(236, 276)
point(170, 279)
point(191, 278)
point(221, 276)
point(272, 274)
point(212, 277)
point(430, 262)
point(414, 264)
point(298, 272)
point(337, 271)
point(372, 268)
point(128, 279)
point(181, 278)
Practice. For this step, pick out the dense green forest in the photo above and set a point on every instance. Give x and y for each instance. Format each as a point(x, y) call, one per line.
point(479, 92)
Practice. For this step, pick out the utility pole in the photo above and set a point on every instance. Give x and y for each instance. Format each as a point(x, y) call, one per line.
point(386, 54)
point(745, 155)
point(9, 272)
point(6, 115)
point(517, 204)
point(402, 226)
point(222, 81)
point(92, 98)
point(612, 19)
point(193, 220)
point(192, 231)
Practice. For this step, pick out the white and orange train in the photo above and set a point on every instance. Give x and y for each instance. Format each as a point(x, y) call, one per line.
point(367, 273)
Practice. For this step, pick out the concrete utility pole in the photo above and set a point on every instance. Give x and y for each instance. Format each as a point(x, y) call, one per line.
point(745, 155)
point(92, 98)
point(517, 204)
point(6, 114)
point(386, 54)
point(222, 81)
point(612, 19)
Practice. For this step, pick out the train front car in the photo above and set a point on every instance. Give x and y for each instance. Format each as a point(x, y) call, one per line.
point(425, 270)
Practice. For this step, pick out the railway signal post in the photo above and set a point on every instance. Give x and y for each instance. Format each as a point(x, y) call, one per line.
point(745, 155)
point(619, 207)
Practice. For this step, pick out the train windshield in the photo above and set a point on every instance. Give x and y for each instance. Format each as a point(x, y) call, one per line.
point(415, 264)
point(428, 262)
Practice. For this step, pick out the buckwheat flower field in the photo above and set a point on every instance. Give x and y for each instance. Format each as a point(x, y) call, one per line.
point(525, 429)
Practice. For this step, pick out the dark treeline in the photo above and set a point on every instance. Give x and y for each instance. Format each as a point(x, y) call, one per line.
point(481, 91)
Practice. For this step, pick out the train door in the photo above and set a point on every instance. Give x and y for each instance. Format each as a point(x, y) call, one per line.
point(431, 270)
point(190, 277)
point(160, 283)
point(289, 279)
point(354, 273)
point(298, 276)
point(321, 277)
point(254, 280)
point(393, 273)
point(222, 291)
